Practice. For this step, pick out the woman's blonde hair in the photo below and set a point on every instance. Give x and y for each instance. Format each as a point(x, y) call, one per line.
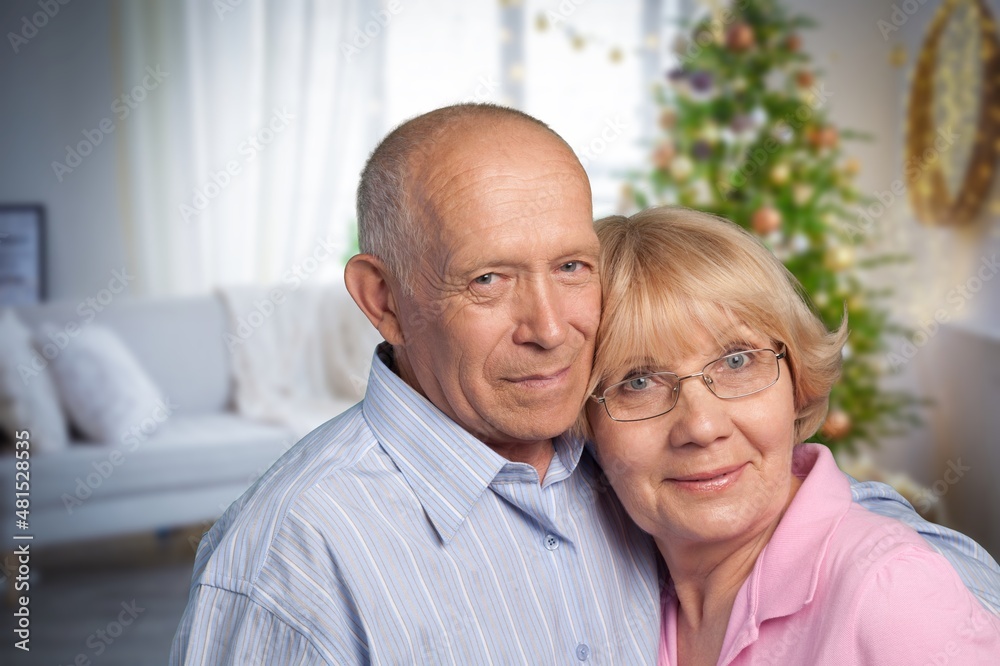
point(668, 271)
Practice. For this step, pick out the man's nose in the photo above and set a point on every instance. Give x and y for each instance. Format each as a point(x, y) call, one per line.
point(540, 316)
point(699, 417)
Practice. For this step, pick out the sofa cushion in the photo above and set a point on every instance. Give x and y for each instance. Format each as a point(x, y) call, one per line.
point(178, 341)
point(188, 471)
point(103, 388)
point(28, 397)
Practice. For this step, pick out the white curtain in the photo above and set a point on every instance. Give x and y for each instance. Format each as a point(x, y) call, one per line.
point(240, 160)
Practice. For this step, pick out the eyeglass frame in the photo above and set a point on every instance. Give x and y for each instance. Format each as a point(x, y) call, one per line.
point(602, 399)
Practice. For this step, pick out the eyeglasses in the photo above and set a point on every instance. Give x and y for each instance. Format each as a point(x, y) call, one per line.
point(733, 376)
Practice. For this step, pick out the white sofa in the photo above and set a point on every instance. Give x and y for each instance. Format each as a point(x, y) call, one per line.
point(197, 462)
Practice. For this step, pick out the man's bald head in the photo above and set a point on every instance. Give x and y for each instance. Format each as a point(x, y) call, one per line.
point(390, 223)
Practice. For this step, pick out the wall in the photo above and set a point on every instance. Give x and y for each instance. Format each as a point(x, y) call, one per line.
point(56, 86)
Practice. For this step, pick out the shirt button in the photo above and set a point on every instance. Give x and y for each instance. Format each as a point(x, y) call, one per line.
point(582, 651)
point(551, 541)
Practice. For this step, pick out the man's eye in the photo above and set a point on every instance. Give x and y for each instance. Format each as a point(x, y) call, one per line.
point(488, 278)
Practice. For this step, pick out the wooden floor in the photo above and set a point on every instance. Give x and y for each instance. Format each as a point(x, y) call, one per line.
point(79, 596)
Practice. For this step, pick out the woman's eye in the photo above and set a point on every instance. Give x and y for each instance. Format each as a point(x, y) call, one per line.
point(571, 266)
point(638, 383)
point(488, 278)
point(736, 361)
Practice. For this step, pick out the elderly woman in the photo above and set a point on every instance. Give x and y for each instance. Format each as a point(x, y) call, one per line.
point(769, 560)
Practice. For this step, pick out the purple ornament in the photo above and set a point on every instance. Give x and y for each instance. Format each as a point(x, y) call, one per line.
point(676, 74)
point(701, 81)
point(742, 123)
point(701, 149)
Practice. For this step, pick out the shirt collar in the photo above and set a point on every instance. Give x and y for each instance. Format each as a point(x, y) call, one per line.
point(786, 574)
point(447, 468)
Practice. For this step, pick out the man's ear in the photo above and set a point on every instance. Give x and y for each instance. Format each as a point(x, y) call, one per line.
point(367, 281)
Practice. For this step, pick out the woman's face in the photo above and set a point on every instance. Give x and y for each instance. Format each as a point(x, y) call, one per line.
point(710, 470)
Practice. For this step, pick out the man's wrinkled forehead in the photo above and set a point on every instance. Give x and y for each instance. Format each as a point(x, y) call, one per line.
point(515, 169)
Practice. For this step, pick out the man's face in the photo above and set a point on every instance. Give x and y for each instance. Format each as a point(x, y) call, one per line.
point(500, 332)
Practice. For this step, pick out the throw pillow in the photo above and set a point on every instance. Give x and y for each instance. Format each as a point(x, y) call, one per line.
point(28, 397)
point(105, 390)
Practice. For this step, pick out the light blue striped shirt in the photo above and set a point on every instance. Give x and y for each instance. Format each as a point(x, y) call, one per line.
point(390, 535)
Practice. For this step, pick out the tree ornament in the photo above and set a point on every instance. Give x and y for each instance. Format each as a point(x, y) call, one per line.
point(701, 82)
point(837, 424)
point(839, 257)
point(802, 193)
point(681, 168)
point(799, 243)
point(701, 192)
point(739, 37)
point(668, 119)
point(823, 137)
point(664, 155)
point(852, 166)
point(780, 173)
point(793, 43)
point(766, 220)
point(804, 78)
point(701, 150)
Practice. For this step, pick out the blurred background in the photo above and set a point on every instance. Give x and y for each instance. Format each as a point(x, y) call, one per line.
point(176, 203)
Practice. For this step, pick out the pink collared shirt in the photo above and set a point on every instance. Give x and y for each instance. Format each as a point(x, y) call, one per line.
point(838, 584)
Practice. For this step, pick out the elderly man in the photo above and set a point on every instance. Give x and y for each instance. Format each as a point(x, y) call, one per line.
point(446, 519)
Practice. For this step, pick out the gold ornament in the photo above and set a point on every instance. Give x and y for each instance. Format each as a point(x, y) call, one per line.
point(541, 23)
point(837, 424)
point(766, 220)
point(802, 193)
point(616, 55)
point(852, 166)
point(780, 173)
point(897, 57)
point(681, 168)
point(839, 257)
point(930, 197)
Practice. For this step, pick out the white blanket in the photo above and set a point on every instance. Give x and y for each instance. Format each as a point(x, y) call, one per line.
point(299, 356)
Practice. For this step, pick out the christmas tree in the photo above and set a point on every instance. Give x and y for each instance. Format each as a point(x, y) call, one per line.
point(746, 135)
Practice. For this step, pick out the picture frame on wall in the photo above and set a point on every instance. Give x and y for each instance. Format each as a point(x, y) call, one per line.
point(22, 254)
